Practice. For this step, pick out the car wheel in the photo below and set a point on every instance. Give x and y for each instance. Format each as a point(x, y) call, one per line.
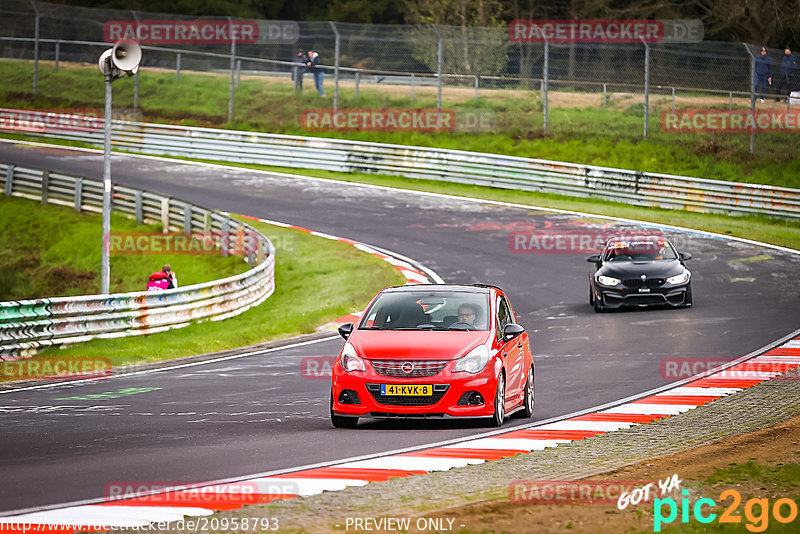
point(598, 308)
point(591, 296)
point(687, 300)
point(529, 400)
point(342, 421)
point(499, 402)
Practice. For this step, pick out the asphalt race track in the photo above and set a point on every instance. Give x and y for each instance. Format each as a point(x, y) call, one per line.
point(258, 414)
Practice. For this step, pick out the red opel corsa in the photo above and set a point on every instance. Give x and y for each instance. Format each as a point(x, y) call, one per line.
point(434, 351)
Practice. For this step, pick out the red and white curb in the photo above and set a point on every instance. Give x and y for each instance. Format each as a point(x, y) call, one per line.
point(205, 499)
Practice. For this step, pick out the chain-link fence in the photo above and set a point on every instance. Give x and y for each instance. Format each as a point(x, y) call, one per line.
point(447, 65)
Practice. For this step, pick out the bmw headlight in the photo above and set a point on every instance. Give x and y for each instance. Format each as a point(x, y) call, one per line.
point(679, 278)
point(474, 362)
point(608, 281)
point(350, 360)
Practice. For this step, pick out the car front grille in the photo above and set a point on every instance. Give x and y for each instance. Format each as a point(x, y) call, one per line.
point(407, 400)
point(422, 368)
point(638, 282)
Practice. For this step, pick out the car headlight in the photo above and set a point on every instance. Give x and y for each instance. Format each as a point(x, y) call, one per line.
point(608, 280)
point(350, 360)
point(679, 278)
point(474, 362)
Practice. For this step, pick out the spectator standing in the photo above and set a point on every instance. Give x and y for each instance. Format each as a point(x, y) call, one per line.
point(788, 64)
point(763, 73)
point(163, 279)
point(299, 69)
point(314, 68)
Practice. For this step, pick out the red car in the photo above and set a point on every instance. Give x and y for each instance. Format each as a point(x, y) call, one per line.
point(434, 351)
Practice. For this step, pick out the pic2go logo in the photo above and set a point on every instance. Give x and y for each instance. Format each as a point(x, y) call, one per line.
point(756, 511)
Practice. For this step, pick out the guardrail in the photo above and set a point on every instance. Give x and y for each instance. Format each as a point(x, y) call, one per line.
point(508, 172)
point(28, 325)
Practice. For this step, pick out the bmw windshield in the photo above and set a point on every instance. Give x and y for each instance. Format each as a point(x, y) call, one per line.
point(428, 310)
point(639, 251)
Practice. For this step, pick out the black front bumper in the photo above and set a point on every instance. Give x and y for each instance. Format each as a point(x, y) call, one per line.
point(618, 298)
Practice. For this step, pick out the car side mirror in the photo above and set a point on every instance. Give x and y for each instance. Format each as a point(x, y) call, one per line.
point(345, 330)
point(685, 256)
point(594, 259)
point(511, 331)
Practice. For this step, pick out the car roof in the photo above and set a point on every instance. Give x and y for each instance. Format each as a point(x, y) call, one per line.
point(614, 240)
point(475, 288)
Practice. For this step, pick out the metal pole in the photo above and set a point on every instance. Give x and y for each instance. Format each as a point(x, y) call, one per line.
point(358, 79)
point(105, 268)
point(604, 96)
point(752, 98)
point(238, 72)
point(476, 88)
point(233, 68)
point(412, 86)
point(673, 100)
point(58, 52)
point(135, 76)
point(35, 47)
point(178, 67)
point(335, 68)
point(438, 75)
point(646, 84)
point(545, 85)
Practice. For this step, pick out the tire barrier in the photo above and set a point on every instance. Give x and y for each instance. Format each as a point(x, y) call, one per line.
point(28, 325)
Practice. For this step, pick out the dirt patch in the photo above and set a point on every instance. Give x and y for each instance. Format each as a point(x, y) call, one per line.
point(773, 446)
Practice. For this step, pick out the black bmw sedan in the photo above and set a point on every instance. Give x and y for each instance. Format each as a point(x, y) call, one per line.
point(638, 273)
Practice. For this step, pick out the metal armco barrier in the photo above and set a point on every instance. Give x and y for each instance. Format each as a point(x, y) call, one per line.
point(28, 325)
point(507, 172)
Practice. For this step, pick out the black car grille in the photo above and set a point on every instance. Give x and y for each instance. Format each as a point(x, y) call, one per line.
point(422, 368)
point(408, 400)
point(638, 282)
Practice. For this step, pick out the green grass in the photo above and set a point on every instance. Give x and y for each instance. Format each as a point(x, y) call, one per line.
point(577, 134)
point(38, 258)
point(783, 476)
point(314, 284)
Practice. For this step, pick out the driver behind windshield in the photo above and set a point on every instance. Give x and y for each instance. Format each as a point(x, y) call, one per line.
point(468, 314)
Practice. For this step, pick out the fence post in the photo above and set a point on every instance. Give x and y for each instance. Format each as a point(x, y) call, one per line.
point(673, 100)
point(137, 206)
point(9, 180)
point(178, 67)
point(412, 86)
point(35, 47)
point(233, 68)
point(358, 80)
point(476, 87)
point(545, 85)
point(78, 194)
point(604, 96)
point(45, 185)
point(187, 219)
point(238, 72)
point(646, 84)
point(225, 239)
point(752, 97)
point(438, 75)
point(335, 68)
point(58, 52)
point(165, 215)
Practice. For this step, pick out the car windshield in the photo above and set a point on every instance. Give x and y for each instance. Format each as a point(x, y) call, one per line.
point(427, 310)
point(648, 250)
